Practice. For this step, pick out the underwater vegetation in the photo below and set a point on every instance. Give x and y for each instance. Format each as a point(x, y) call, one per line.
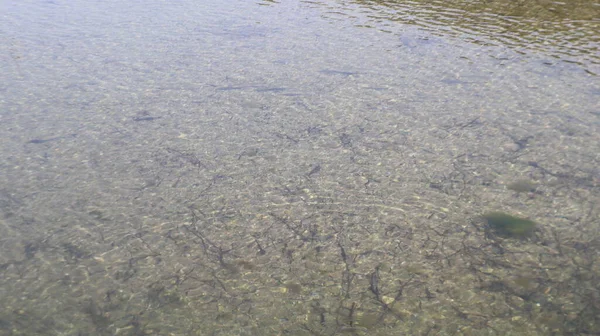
point(508, 225)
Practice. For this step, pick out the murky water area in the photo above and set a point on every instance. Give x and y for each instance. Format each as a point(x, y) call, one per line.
point(299, 167)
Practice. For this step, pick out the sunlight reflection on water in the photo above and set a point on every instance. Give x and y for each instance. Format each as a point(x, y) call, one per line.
point(566, 31)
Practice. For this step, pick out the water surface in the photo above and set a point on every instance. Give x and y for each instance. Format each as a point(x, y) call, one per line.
point(298, 168)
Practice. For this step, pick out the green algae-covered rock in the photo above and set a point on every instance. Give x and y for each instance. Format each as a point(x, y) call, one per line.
point(522, 186)
point(508, 225)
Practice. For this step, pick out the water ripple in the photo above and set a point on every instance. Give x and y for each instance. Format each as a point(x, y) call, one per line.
point(566, 31)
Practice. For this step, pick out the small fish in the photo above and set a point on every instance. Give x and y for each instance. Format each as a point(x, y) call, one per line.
point(145, 118)
point(41, 141)
point(315, 170)
point(338, 73)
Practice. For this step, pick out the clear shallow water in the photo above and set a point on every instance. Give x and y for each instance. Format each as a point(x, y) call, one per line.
point(302, 168)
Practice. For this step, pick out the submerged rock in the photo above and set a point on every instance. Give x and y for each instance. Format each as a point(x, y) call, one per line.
point(508, 225)
point(522, 186)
